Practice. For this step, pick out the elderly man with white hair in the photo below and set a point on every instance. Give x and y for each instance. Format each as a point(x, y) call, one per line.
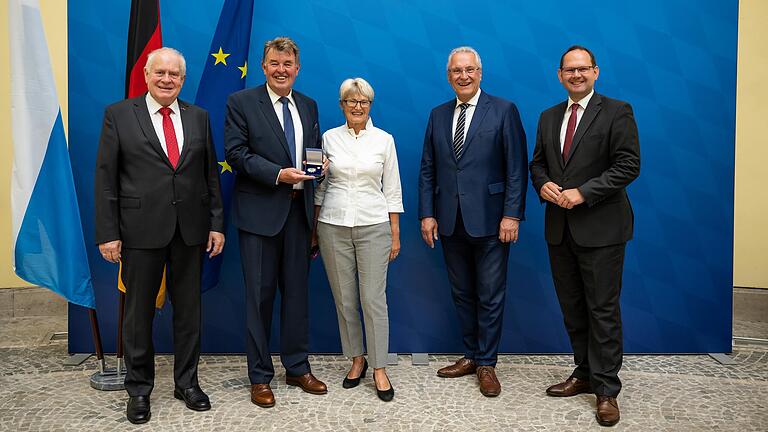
point(158, 209)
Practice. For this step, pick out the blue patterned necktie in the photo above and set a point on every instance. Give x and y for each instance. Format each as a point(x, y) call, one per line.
point(458, 137)
point(290, 134)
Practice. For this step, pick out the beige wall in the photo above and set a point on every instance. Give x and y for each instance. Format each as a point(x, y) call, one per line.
point(750, 254)
point(750, 234)
point(54, 14)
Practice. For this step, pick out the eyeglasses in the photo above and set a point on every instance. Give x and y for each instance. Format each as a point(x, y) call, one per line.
point(581, 70)
point(171, 74)
point(469, 70)
point(351, 103)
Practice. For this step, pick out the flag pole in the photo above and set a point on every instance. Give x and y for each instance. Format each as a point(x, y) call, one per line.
point(120, 317)
point(97, 339)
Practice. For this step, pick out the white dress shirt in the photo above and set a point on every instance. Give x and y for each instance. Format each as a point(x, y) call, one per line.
point(157, 122)
point(363, 182)
point(470, 112)
point(298, 129)
point(579, 113)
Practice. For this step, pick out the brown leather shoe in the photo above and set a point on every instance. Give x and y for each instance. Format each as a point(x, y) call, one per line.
point(463, 366)
point(607, 410)
point(308, 383)
point(262, 395)
point(570, 387)
point(489, 384)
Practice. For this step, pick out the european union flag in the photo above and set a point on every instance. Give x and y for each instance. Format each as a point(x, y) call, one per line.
point(225, 71)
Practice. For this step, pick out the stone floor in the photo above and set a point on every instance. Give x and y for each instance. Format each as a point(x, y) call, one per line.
point(674, 393)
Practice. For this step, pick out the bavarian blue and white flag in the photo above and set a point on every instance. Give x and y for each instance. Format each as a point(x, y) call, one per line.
point(48, 245)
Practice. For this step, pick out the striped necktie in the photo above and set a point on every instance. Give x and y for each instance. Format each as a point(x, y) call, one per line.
point(458, 137)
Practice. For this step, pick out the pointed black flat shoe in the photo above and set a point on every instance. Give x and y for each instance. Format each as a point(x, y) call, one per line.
point(353, 382)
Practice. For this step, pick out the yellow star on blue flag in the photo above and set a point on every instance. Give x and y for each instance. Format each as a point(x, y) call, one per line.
point(225, 167)
point(220, 57)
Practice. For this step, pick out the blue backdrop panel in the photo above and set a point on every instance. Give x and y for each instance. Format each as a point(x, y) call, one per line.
point(675, 63)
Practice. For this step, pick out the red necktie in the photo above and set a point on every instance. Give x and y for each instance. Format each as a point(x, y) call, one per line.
point(171, 144)
point(569, 131)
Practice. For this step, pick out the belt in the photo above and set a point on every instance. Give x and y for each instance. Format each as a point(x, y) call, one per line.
point(296, 193)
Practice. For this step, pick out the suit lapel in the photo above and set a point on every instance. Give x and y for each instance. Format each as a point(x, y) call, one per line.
point(483, 105)
point(557, 124)
point(265, 103)
point(306, 124)
point(145, 122)
point(450, 107)
point(589, 116)
point(185, 120)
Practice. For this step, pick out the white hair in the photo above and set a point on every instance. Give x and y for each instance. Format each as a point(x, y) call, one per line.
point(355, 86)
point(464, 49)
point(167, 50)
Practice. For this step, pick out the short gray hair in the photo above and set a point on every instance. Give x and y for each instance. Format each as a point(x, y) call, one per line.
point(355, 86)
point(167, 50)
point(464, 49)
point(281, 44)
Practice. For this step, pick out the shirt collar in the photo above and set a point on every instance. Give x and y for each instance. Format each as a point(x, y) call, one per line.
point(154, 106)
point(583, 102)
point(472, 101)
point(368, 125)
point(274, 97)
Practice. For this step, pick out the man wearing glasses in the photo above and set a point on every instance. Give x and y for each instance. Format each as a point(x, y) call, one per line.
point(472, 186)
point(587, 152)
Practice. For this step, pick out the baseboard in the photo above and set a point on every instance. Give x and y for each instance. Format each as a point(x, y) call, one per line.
point(750, 304)
point(31, 301)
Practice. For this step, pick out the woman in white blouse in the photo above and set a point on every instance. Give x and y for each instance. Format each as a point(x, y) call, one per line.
point(358, 210)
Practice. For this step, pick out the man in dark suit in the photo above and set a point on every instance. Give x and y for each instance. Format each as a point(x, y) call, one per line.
point(587, 152)
point(158, 204)
point(472, 188)
point(266, 131)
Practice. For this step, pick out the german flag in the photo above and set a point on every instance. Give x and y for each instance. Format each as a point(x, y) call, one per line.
point(144, 36)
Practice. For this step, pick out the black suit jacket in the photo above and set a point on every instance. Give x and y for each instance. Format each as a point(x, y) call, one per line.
point(604, 159)
point(139, 197)
point(256, 148)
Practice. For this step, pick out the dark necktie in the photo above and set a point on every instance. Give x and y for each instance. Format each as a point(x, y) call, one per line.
point(569, 131)
point(290, 134)
point(458, 137)
point(171, 145)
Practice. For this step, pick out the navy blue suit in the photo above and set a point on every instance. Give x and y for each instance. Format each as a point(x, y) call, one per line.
point(469, 197)
point(274, 227)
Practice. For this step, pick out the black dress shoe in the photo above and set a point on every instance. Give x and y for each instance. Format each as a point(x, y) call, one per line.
point(353, 382)
point(385, 395)
point(194, 398)
point(138, 409)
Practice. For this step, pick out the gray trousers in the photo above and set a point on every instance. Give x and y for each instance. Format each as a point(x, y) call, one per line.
point(356, 261)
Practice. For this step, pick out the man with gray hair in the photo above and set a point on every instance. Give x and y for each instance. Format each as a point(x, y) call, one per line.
point(472, 186)
point(158, 209)
point(266, 132)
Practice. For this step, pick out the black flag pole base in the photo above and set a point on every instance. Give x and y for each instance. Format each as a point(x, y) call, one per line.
point(109, 378)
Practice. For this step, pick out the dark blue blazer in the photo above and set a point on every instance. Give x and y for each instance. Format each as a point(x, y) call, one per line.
point(256, 148)
point(489, 180)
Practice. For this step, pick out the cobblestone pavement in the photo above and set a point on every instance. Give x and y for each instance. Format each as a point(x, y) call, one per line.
point(674, 393)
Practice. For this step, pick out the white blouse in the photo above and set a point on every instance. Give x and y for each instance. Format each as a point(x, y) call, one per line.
point(363, 182)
